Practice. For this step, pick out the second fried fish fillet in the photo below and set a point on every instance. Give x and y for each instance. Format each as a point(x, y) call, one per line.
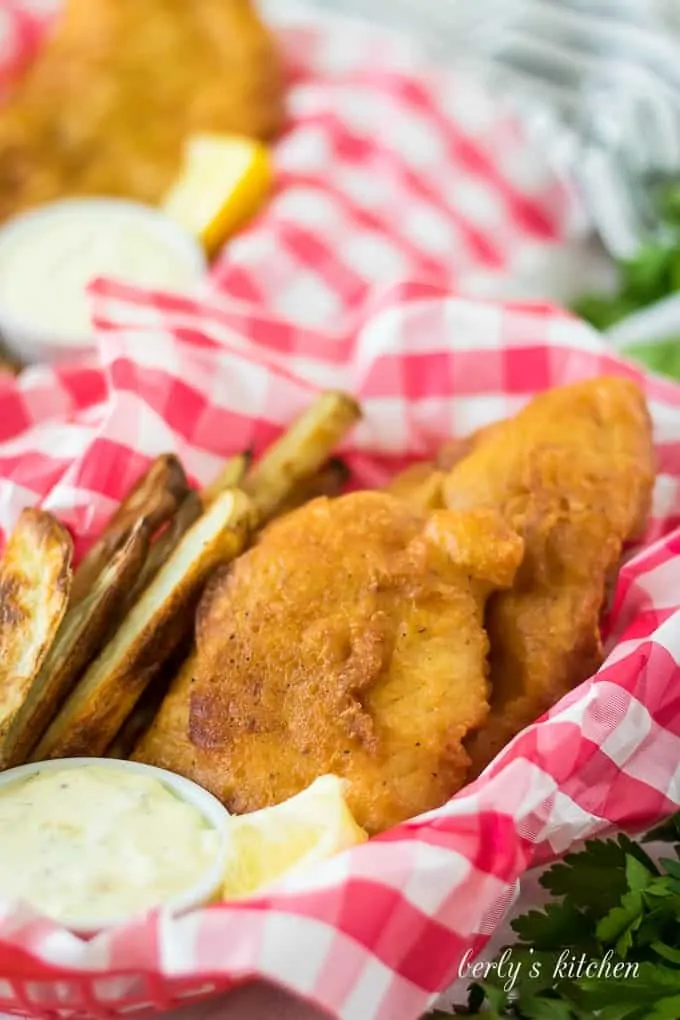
point(573, 474)
point(348, 640)
point(121, 84)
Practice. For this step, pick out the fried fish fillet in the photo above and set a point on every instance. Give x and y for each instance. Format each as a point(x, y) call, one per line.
point(420, 485)
point(349, 640)
point(119, 86)
point(573, 474)
point(35, 580)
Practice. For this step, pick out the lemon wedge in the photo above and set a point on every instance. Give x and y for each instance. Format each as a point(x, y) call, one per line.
point(267, 844)
point(223, 182)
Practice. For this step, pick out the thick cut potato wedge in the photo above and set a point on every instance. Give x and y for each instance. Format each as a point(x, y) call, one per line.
point(154, 499)
point(329, 481)
point(187, 513)
point(83, 631)
point(300, 452)
point(230, 477)
point(35, 580)
point(149, 633)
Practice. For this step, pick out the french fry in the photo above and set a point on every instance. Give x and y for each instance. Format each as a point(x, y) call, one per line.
point(99, 705)
point(83, 631)
point(300, 452)
point(154, 498)
point(187, 513)
point(35, 582)
point(329, 481)
point(231, 476)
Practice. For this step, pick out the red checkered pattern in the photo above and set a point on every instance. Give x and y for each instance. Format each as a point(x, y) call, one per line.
point(306, 299)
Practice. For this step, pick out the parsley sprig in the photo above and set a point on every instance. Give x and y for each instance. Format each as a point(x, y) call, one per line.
point(651, 274)
point(606, 946)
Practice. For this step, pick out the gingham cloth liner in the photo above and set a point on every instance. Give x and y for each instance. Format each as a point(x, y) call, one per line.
point(376, 933)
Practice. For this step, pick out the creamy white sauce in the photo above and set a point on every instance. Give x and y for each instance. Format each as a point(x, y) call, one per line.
point(96, 842)
point(45, 269)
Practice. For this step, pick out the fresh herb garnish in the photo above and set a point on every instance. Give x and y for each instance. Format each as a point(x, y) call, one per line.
point(661, 356)
point(652, 274)
point(606, 946)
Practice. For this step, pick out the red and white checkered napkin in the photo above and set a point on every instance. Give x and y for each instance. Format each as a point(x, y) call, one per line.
point(385, 172)
point(377, 932)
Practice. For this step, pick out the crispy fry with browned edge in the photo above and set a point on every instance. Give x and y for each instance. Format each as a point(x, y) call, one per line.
point(112, 685)
point(231, 475)
point(187, 513)
point(329, 481)
point(84, 629)
point(301, 451)
point(35, 580)
point(154, 499)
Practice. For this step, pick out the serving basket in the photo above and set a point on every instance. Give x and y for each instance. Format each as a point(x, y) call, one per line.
point(396, 183)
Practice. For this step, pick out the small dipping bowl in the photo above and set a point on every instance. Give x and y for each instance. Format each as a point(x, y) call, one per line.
point(214, 814)
point(50, 254)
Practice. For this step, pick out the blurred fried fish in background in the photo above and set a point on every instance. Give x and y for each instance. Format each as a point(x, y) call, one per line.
point(119, 86)
point(572, 473)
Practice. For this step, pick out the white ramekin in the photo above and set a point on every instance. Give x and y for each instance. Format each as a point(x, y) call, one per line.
point(27, 342)
point(214, 813)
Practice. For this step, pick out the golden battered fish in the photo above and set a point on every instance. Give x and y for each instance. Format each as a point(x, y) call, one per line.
point(106, 106)
point(573, 474)
point(348, 640)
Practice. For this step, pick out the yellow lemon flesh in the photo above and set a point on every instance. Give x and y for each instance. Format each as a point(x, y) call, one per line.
point(223, 183)
point(310, 827)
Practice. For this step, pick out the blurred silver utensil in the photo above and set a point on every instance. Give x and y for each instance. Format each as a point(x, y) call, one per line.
point(596, 81)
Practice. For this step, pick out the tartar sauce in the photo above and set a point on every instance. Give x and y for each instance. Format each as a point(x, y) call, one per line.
point(97, 842)
point(47, 262)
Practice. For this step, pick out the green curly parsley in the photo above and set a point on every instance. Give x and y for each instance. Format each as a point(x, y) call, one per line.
point(607, 946)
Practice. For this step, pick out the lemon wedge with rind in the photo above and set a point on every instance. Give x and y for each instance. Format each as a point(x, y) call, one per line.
point(290, 837)
point(223, 183)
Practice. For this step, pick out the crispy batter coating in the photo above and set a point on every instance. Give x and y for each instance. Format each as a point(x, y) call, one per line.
point(348, 640)
point(573, 474)
point(106, 106)
point(420, 485)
